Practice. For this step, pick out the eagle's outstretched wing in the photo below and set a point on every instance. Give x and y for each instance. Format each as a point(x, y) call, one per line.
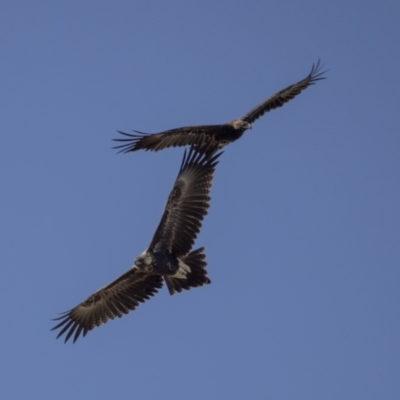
point(285, 95)
point(187, 203)
point(114, 300)
point(178, 137)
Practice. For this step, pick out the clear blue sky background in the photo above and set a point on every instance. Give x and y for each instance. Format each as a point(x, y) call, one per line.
point(303, 233)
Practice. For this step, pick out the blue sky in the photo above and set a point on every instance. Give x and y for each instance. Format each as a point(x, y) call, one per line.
point(302, 237)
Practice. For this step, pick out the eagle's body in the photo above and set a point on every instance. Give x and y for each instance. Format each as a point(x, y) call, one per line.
point(219, 135)
point(168, 258)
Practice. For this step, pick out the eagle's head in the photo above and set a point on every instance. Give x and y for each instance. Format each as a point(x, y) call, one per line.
point(240, 125)
point(144, 260)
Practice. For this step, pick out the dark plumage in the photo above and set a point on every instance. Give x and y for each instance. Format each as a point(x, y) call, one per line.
point(168, 257)
point(220, 134)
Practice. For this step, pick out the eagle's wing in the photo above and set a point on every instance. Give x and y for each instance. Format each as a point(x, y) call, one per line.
point(283, 96)
point(114, 300)
point(185, 136)
point(187, 203)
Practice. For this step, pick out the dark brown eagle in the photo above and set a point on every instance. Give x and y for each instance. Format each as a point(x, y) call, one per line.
point(168, 258)
point(220, 134)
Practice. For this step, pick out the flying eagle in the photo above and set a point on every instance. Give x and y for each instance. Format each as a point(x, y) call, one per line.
point(219, 134)
point(168, 258)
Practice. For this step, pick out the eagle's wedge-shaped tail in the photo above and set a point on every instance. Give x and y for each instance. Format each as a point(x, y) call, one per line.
point(195, 278)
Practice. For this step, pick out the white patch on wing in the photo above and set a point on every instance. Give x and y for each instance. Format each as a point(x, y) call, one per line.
point(183, 270)
point(144, 253)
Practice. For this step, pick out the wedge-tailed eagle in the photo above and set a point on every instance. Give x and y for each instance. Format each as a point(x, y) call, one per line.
point(168, 258)
point(221, 134)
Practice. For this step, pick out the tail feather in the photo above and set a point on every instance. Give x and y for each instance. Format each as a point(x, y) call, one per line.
point(195, 278)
